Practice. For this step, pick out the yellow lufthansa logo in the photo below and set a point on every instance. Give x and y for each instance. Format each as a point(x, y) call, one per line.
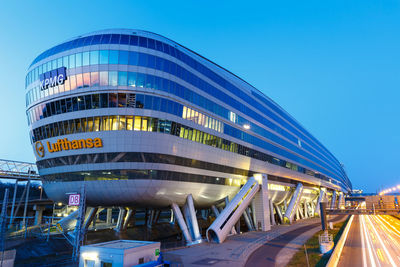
point(39, 149)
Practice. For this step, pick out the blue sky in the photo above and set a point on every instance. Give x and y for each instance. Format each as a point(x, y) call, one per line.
point(333, 65)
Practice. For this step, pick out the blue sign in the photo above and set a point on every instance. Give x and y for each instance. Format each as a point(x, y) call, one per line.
point(53, 78)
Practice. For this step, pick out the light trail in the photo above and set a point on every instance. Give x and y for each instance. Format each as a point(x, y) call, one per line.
point(380, 240)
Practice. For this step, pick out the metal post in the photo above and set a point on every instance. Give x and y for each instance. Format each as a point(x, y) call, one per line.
point(324, 222)
point(28, 185)
point(79, 233)
point(50, 223)
point(13, 202)
point(3, 222)
point(320, 199)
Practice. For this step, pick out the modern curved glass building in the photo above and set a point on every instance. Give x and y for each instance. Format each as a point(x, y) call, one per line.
point(144, 121)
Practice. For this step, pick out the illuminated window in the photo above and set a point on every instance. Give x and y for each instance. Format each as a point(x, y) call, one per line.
point(129, 122)
point(144, 124)
point(137, 123)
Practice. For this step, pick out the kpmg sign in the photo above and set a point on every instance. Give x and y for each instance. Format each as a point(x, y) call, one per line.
point(53, 78)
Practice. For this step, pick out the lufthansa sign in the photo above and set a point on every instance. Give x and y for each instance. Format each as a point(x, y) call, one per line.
point(53, 78)
point(39, 149)
point(65, 144)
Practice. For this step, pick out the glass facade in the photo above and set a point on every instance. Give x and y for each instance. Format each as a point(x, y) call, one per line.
point(195, 89)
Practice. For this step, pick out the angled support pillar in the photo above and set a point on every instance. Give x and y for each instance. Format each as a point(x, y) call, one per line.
point(151, 219)
point(306, 209)
point(279, 212)
point(215, 211)
point(121, 216)
point(321, 198)
point(294, 203)
point(109, 216)
point(181, 222)
point(172, 218)
point(127, 218)
point(333, 202)
point(191, 219)
point(247, 221)
point(221, 227)
point(233, 231)
point(340, 201)
point(90, 215)
point(272, 215)
point(248, 212)
point(261, 205)
point(300, 210)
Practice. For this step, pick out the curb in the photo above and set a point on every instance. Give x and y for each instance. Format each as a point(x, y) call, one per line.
point(334, 259)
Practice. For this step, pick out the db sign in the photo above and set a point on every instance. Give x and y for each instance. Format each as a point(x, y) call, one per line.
point(74, 200)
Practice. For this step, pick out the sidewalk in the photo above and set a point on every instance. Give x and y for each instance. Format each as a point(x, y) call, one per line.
point(236, 249)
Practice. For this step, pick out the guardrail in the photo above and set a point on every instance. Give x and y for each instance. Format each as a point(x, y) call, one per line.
point(334, 259)
point(363, 211)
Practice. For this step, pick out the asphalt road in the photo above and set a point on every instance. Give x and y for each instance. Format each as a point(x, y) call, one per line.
point(373, 240)
point(267, 254)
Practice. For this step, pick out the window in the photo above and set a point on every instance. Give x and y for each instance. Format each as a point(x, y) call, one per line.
point(94, 57)
point(112, 100)
point(122, 78)
point(94, 79)
point(137, 123)
point(123, 57)
point(113, 57)
point(103, 78)
point(106, 264)
point(133, 58)
point(85, 61)
point(121, 100)
point(78, 59)
point(103, 56)
point(113, 78)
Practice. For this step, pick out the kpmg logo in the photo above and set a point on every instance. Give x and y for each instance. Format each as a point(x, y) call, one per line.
point(53, 78)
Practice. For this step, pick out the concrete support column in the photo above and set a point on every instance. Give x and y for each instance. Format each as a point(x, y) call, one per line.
point(181, 222)
point(109, 216)
point(262, 205)
point(341, 200)
point(247, 221)
point(121, 217)
point(233, 231)
point(279, 212)
point(151, 219)
point(294, 203)
point(215, 211)
point(321, 198)
point(127, 218)
point(38, 214)
point(333, 202)
point(272, 215)
point(191, 219)
point(300, 210)
point(90, 215)
point(306, 209)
